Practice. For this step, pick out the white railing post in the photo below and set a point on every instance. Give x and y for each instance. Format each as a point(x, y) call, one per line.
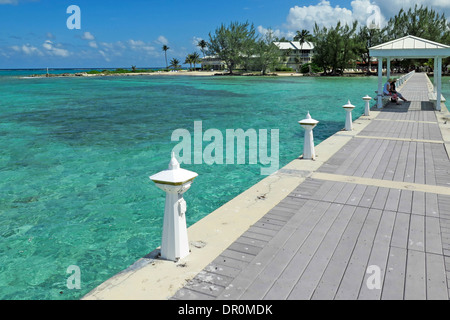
point(308, 147)
point(348, 118)
point(367, 106)
point(174, 181)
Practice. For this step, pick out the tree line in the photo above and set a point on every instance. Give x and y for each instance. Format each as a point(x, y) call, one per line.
point(335, 48)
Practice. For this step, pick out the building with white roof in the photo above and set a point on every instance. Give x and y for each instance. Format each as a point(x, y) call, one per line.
point(293, 54)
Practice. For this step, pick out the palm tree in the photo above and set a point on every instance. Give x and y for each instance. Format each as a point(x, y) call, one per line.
point(302, 37)
point(189, 60)
point(175, 63)
point(203, 45)
point(195, 58)
point(165, 48)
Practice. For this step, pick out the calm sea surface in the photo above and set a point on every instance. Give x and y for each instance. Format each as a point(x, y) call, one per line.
point(76, 153)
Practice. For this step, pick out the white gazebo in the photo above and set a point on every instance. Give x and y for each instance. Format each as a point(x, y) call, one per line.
point(410, 47)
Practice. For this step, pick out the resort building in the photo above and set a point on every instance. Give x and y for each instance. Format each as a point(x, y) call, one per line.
point(213, 63)
point(293, 54)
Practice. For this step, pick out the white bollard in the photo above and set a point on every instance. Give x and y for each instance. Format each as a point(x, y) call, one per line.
point(308, 147)
point(348, 119)
point(174, 181)
point(367, 107)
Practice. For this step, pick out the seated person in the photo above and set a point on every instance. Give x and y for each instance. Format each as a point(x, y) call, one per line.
point(393, 91)
point(387, 91)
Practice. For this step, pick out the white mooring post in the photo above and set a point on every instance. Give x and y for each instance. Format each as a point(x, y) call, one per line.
point(348, 118)
point(367, 106)
point(308, 147)
point(174, 181)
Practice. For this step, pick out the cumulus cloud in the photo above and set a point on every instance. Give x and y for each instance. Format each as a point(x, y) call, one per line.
point(277, 32)
point(323, 14)
point(55, 50)
point(162, 40)
point(139, 45)
point(88, 36)
point(392, 7)
point(9, 2)
point(27, 49)
point(364, 11)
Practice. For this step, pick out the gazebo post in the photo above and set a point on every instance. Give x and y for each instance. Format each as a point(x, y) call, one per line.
point(380, 83)
point(439, 84)
point(388, 68)
point(435, 74)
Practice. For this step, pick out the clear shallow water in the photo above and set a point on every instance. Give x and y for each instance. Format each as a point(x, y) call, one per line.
point(76, 154)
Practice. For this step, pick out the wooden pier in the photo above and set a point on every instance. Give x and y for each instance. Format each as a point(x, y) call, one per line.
point(381, 203)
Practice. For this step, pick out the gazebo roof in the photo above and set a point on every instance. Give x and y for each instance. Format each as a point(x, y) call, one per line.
point(410, 47)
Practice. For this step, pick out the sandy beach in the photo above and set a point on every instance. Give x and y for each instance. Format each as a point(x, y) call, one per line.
point(160, 73)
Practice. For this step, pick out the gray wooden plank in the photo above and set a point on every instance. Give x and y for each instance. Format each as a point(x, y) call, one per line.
point(401, 231)
point(254, 281)
point(405, 203)
point(356, 269)
point(437, 288)
point(415, 284)
point(379, 256)
point(433, 243)
point(416, 239)
point(331, 278)
point(418, 203)
point(310, 278)
point(394, 281)
point(290, 275)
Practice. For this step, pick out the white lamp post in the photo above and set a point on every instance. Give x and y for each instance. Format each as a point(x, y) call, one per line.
point(308, 147)
point(348, 119)
point(367, 107)
point(174, 181)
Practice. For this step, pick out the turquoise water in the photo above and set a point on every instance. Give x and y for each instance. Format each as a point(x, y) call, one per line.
point(76, 154)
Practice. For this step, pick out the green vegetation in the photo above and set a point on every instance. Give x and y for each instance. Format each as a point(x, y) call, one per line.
point(341, 46)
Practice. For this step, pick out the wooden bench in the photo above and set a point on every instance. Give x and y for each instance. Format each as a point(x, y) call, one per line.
point(384, 100)
point(432, 96)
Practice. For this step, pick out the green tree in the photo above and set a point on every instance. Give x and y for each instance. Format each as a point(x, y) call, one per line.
point(302, 37)
point(165, 48)
point(228, 43)
point(365, 39)
point(334, 48)
point(195, 57)
point(267, 53)
point(189, 60)
point(175, 64)
point(203, 45)
point(420, 22)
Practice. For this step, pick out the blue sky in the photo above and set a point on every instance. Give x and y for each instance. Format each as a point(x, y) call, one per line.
point(117, 33)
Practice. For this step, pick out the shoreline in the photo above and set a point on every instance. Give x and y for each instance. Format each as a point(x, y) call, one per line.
point(191, 73)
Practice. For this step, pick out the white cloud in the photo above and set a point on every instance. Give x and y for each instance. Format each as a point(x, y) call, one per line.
point(277, 32)
point(9, 2)
point(93, 44)
point(55, 50)
point(139, 45)
point(392, 7)
point(88, 36)
point(27, 49)
point(323, 14)
point(196, 40)
point(162, 40)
